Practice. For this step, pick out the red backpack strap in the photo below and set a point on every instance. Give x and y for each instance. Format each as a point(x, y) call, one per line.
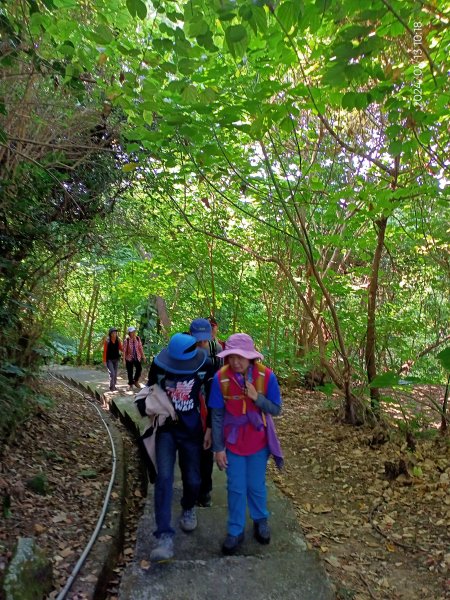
point(203, 410)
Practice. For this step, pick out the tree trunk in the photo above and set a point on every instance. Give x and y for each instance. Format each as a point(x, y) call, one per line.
point(87, 320)
point(370, 356)
point(96, 294)
point(444, 421)
point(163, 322)
point(237, 298)
point(212, 304)
point(163, 315)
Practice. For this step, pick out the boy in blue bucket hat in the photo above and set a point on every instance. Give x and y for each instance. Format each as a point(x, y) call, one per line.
point(176, 370)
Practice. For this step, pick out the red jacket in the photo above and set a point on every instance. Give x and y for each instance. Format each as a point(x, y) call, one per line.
point(128, 348)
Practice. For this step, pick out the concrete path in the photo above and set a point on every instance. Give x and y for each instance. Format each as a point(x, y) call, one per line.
point(285, 569)
point(96, 382)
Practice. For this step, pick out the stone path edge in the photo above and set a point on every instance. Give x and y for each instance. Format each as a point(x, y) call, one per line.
point(97, 570)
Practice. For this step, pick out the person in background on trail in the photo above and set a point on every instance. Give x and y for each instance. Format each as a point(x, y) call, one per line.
point(215, 345)
point(202, 331)
point(176, 369)
point(244, 394)
point(112, 348)
point(133, 356)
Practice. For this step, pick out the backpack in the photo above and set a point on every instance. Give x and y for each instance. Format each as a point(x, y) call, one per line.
point(261, 384)
point(216, 361)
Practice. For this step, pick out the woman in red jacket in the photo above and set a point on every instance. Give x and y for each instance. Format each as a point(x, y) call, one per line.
point(133, 356)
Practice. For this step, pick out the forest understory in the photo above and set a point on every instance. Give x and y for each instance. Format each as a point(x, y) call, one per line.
point(380, 536)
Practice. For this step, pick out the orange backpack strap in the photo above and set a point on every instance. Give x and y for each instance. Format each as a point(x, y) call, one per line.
point(224, 381)
point(262, 380)
point(261, 384)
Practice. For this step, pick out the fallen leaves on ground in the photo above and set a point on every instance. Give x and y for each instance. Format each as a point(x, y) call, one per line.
point(70, 447)
point(379, 539)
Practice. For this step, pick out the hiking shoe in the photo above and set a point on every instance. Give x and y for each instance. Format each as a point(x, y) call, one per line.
point(232, 543)
point(164, 548)
point(204, 500)
point(188, 521)
point(130, 388)
point(137, 385)
point(261, 531)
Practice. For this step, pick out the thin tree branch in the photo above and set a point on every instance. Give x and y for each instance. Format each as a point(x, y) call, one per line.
point(73, 146)
point(323, 119)
point(412, 34)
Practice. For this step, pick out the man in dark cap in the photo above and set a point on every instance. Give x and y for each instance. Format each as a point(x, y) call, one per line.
point(202, 331)
point(215, 345)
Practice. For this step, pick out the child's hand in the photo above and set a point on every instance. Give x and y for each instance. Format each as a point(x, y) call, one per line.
point(207, 439)
point(221, 460)
point(251, 391)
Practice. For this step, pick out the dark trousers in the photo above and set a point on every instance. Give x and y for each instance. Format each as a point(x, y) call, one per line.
point(112, 366)
point(168, 442)
point(206, 467)
point(131, 365)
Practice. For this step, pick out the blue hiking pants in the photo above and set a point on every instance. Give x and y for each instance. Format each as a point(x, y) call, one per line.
point(246, 483)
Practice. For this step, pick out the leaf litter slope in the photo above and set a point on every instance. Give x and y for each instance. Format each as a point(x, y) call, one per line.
point(69, 445)
point(379, 538)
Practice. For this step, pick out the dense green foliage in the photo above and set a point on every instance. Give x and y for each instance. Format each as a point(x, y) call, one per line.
point(282, 165)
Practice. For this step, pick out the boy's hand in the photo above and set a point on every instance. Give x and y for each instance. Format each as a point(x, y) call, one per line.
point(207, 439)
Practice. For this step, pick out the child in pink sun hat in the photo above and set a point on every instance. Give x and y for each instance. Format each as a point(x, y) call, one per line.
point(244, 396)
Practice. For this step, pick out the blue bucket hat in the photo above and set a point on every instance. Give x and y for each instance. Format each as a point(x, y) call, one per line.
point(181, 357)
point(201, 329)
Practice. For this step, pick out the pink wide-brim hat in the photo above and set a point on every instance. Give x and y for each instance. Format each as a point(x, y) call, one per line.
point(242, 345)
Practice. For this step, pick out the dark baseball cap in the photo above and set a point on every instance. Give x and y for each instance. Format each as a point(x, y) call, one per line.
point(200, 329)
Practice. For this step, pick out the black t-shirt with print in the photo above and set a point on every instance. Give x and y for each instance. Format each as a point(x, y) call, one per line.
point(184, 392)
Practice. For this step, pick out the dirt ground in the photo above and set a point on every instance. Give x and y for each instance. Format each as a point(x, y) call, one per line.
point(379, 538)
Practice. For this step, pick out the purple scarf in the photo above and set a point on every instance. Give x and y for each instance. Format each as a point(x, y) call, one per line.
point(255, 419)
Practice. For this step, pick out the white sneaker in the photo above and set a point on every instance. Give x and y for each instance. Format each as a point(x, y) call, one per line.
point(163, 549)
point(188, 520)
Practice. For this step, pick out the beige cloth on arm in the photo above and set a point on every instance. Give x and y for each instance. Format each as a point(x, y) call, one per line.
point(158, 408)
